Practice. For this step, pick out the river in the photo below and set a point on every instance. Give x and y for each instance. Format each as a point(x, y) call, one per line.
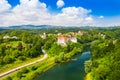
point(73, 70)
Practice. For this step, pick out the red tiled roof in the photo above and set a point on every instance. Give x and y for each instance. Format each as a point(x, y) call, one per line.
point(62, 37)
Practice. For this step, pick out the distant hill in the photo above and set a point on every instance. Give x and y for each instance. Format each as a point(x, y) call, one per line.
point(28, 27)
point(52, 27)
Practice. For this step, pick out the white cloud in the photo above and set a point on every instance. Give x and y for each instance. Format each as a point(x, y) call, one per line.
point(101, 17)
point(109, 21)
point(36, 13)
point(60, 3)
point(24, 1)
point(89, 19)
point(4, 6)
point(72, 16)
point(28, 12)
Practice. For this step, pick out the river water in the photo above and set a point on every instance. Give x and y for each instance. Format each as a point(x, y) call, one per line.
point(73, 70)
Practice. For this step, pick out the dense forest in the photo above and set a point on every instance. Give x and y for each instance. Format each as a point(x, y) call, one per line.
point(18, 45)
point(105, 63)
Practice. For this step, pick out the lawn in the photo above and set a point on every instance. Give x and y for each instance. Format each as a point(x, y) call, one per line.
point(41, 68)
point(17, 64)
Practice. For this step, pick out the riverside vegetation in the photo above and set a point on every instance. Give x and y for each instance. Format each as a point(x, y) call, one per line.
point(26, 47)
point(105, 61)
point(103, 44)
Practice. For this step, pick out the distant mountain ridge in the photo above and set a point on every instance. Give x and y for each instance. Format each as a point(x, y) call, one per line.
point(51, 27)
point(28, 27)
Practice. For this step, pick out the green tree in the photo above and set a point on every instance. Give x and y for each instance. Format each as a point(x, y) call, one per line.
point(8, 78)
point(20, 46)
point(24, 70)
point(19, 75)
point(7, 59)
point(88, 66)
point(34, 67)
point(16, 54)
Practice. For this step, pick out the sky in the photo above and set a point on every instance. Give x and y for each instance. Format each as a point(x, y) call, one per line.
point(60, 12)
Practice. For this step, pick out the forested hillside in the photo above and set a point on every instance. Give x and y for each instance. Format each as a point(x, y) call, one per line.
point(18, 45)
point(105, 61)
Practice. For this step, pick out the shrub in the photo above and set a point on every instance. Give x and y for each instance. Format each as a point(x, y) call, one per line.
point(19, 75)
point(24, 70)
point(8, 78)
point(33, 67)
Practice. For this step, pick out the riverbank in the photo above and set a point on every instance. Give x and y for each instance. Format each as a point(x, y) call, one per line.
point(67, 71)
point(41, 68)
point(32, 70)
point(46, 69)
point(68, 55)
point(88, 77)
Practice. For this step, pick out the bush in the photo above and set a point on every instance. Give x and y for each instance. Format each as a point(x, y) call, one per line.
point(88, 66)
point(56, 59)
point(34, 68)
point(19, 75)
point(7, 59)
point(8, 78)
point(24, 70)
point(22, 58)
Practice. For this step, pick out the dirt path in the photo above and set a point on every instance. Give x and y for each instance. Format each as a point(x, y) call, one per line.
point(15, 69)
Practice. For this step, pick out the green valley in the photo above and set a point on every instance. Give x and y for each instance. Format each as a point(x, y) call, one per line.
point(21, 47)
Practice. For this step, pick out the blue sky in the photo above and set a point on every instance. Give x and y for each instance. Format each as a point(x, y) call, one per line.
point(99, 7)
point(86, 12)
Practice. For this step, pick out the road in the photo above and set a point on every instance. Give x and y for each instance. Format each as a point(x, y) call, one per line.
point(15, 69)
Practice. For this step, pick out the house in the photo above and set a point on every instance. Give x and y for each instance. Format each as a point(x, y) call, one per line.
point(43, 36)
point(6, 37)
point(73, 39)
point(102, 35)
point(59, 34)
point(14, 37)
point(114, 41)
point(62, 40)
point(80, 33)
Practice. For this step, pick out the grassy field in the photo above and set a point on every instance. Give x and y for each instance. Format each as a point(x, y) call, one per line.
point(41, 67)
point(17, 64)
point(14, 43)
